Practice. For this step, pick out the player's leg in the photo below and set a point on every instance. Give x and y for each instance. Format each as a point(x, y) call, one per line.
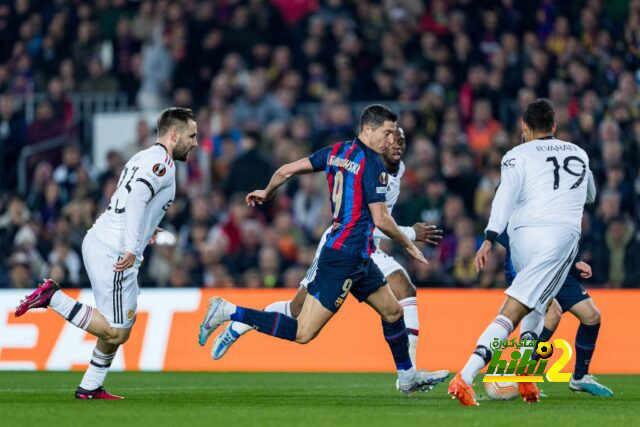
point(405, 293)
point(395, 333)
point(116, 295)
point(586, 337)
point(531, 326)
point(235, 330)
point(313, 317)
point(335, 275)
point(84, 316)
point(542, 265)
point(374, 291)
point(510, 314)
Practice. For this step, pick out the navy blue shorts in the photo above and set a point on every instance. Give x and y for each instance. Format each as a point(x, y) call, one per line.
point(571, 293)
point(340, 273)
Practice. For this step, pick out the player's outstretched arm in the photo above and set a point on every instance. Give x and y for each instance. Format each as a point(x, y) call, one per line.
point(385, 222)
point(282, 175)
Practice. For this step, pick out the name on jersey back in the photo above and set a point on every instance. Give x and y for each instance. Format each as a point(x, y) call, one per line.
point(557, 148)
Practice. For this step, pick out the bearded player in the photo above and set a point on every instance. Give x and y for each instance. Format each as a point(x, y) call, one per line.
point(112, 249)
point(358, 185)
point(395, 274)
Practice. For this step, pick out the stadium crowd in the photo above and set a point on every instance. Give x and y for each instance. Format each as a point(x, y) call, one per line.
point(271, 81)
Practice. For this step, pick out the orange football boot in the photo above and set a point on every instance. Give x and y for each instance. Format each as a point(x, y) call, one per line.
point(462, 391)
point(529, 392)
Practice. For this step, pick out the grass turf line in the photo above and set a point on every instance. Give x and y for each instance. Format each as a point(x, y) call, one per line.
point(283, 399)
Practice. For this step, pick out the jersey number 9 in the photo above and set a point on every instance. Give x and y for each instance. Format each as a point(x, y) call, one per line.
point(336, 194)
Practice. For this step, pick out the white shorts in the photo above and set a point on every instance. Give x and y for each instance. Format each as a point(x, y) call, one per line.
point(542, 258)
point(387, 264)
point(116, 294)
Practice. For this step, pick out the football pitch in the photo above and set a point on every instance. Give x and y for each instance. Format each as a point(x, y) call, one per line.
point(297, 399)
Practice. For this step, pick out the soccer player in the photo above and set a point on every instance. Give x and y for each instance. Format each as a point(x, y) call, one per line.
point(574, 298)
point(543, 187)
point(112, 249)
point(358, 185)
point(394, 273)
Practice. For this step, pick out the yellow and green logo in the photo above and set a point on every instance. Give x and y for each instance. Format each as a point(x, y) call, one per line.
point(521, 368)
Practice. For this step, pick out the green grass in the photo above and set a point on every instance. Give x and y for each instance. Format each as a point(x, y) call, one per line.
point(281, 399)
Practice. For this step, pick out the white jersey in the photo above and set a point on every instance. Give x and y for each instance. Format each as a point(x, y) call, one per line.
point(129, 222)
point(544, 182)
point(393, 192)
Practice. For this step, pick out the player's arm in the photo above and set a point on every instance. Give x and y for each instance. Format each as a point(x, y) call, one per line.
point(152, 179)
point(374, 186)
point(314, 163)
point(420, 232)
point(591, 188)
point(282, 175)
point(134, 212)
point(385, 222)
point(504, 202)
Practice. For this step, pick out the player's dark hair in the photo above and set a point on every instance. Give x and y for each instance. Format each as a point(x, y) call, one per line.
point(173, 116)
point(540, 115)
point(375, 115)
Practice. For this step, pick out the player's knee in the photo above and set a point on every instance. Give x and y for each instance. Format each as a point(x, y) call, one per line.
point(117, 336)
point(393, 314)
point(592, 317)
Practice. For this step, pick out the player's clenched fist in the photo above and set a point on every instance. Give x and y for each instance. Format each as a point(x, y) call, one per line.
point(427, 233)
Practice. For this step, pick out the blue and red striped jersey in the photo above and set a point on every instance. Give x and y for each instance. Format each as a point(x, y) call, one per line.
point(356, 178)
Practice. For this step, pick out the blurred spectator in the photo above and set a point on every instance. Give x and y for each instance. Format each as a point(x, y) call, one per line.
point(615, 261)
point(272, 81)
point(12, 138)
point(97, 80)
point(249, 171)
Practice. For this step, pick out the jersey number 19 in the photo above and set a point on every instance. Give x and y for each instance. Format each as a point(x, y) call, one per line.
point(565, 166)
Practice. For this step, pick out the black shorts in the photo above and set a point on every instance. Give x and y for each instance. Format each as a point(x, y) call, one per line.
point(340, 273)
point(571, 293)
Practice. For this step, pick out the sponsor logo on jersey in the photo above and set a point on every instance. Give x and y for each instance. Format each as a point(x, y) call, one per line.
point(509, 163)
point(384, 178)
point(159, 169)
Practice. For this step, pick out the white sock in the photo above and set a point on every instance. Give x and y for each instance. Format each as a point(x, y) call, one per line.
point(500, 328)
point(410, 307)
point(73, 311)
point(532, 323)
point(97, 370)
point(278, 307)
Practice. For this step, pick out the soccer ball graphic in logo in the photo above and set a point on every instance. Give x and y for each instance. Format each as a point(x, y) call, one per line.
point(544, 349)
point(501, 391)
